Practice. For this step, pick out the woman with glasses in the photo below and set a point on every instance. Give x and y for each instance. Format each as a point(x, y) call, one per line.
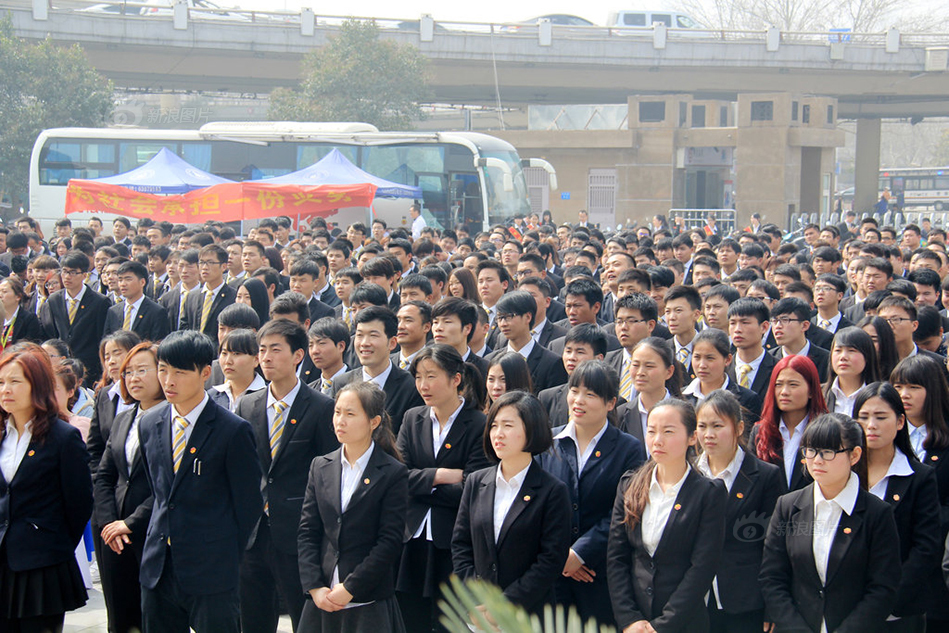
point(925, 396)
point(853, 365)
point(19, 323)
point(830, 561)
point(896, 476)
point(238, 360)
point(123, 498)
point(794, 399)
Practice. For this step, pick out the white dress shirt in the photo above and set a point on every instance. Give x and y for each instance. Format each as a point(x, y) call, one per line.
point(644, 416)
point(132, 440)
point(256, 384)
point(380, 380)
point(803, 352)
point(792, 444)
point(570, 432)
point(328, 389)
point(728, 475)
point(287, 400)
point(695, 389)
point(122, 406)
point(918, 435)
point(537, 329)
point(899, 467)
point(524, 351)
point(834, 320)
point(13, 449)
point(192, 419)
point(688, 348)
point(348, 482)
point(842, 402)
point(439, 433)
point(135, 308)
point(418, 224)
point(658, 509)
point(827, 513)
point(504, 496)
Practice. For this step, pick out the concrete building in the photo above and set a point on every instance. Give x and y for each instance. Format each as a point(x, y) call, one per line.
point(767, 153)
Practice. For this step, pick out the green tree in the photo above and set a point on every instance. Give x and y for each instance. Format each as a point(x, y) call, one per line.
point(357, 77)
point(42, 85)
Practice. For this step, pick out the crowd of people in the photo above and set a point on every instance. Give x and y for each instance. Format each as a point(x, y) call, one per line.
point(666, 429)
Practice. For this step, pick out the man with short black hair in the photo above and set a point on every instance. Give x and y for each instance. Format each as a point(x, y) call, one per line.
point(415, 325)
point(329, 339)
point(453, 323)
point(120, 231)
point(137, 312)
point(515, 315)
point(828, 293)
point(306, 276)
point(202, 308)
point(748, 326)
point(790, 320)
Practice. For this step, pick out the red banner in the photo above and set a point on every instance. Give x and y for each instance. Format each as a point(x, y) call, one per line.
point(227, 202)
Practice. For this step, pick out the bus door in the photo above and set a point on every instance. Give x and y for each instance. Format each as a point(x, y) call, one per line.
point(435, 196)
point(467, 203)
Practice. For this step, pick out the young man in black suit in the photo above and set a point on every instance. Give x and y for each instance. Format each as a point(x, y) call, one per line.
point(305, 279)
point(748, 324)
point(77, 315)
point(453, 323)
point(292, 306)
point(902, 315)
point(202, 308)
point(189, 281)
point(790, 319)
point(293, 424)
point(515, 315)
point(829, 290)
point(376, 329)
point(204, 474)
point(544, 330)
point(137, 313)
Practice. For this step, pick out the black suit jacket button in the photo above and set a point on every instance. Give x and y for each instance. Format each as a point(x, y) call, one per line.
point(820, 593)
point(270, 480)
point(171, 506)
point(339, 520)
point(649, 591)
point(575, 529)
point(494, 567)
point(575, 507)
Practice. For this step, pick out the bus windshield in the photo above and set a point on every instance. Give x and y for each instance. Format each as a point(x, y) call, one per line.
point(504, 205)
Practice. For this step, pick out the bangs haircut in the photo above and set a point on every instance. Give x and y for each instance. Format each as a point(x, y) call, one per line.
point(537, 435)
point(596, 376)
point(588, 334)
point(241, 341)
point(188, 350)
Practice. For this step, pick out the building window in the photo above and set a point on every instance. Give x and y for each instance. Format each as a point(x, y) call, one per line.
point(830, 115)
point(698, 116)
point(652, 111)
point(794, 106)
point(723, 117)
point(806, 114)
point(762, 110)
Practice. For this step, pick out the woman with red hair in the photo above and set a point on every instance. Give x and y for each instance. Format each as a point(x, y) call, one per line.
point(793, 399)
point(45, 497)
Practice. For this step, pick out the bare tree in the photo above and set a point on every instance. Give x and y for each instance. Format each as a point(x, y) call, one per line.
point(813, 15)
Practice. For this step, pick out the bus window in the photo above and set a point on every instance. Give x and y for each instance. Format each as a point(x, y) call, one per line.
point(942, 182)
point(435, 198)
point(62, 160)
point(310, 154)
point(401, 163)
point(504, 205)
point(135, 154)
point(197, 154)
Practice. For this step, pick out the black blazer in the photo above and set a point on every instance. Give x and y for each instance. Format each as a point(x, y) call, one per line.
point(799, 475)
point(550, 332)
point(819, 336)
point(100, 427)
point(546, 368)
point(668, 589)
point(26, 327)
point(533, 543)
point(364, 541)
point(329, 297)
point(863, 571)
point(612, 343)
point(749, 400)
point(171, 302)
point(194, 304)
point(84, 334)
point(401, 394)
point(308, 433)
point(463, 449)
point(762, 379)
point(150, 323)
point(747, 513)
point(207, 513)
point(122, 493)
point(44, 509)
point(842, 323)
point(593, 491)
point(555, 401)
point(819, 355)
point(318, 310)
point(938, 460)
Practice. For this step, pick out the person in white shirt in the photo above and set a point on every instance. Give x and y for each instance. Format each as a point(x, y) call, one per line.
point(853, 365)
point(831, 556)
point(418, 222)
point(238, 359)
point(927, 407)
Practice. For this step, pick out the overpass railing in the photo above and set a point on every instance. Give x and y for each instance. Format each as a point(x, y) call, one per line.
point(181, 12)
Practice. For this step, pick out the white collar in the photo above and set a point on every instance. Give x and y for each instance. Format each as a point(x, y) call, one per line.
point(730, 471)
point(838, 392)
point(515, 482)
point(381, 379)
point(360, 464)
point(215, 291)
point(10, 318)
point(672, 490)
point(524, 351)
point(695, 388)
point(136, 305)
point(195, 413)
point(803, 352)
point(639, 401)
point(899, 466)
point(570, 431)
point(68, 297)
point(846, 499)
point(287, 399)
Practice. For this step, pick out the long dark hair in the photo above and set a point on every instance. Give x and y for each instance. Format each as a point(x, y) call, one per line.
point(859, 340)
point(468, 284)
point(373, 402)
point(725, 405)
point(126, 339)
point(927, 373)
point(517, 374)
point(835, 431)
point(769, 445)
point(637, 494)
point(888, 393)
point(656, 344)
point(889, 356)
point(472, 387)
point(259, 299)
point(38, 371)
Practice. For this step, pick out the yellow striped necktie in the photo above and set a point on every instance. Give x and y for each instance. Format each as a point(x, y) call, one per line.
point(326, 385)
point(206, 310)
point(127, 323)
point(276, 427)
point(40, 300)
point(73, 308)
point(181, 304)
point(743, 372)
point(824, 324)
point(683, 356)
point(403, 364)
point(178, 447)
point(626, 384)
point(348, 316)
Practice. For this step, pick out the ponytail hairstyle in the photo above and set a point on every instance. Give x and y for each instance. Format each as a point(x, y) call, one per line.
point(373, 402)
point(768, 443)
point(835, 431)
point(854, 338)
point(725, 405)
point(472, 387)
point(126, 339)
point(888, 394)
point(656, 344)
point(637, 494)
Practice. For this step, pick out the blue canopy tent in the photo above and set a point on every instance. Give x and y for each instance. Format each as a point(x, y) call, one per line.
point(336, 169)
point(165, 173)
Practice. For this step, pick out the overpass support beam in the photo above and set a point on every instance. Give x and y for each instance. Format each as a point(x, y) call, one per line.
point(867, 166)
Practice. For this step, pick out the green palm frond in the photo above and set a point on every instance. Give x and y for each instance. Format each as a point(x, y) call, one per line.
point(460, 602)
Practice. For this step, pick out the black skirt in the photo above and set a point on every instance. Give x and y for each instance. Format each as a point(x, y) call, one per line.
point(382, 616)
point(40, 592)
point(423, 568)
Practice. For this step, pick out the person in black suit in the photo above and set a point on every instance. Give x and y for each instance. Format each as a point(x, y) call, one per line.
point(123, 498)
point(201, 309)
point(667, 531)
point(441, 444)
point(137, 313)
point(853, 365)
point(584, 342)
point(76, 314)
point(203, 472)
point(292, 425)
point(545, 330)
point(793, 400)
point(515, 316)
point(895, 475)
point(831, 564)
point(45, 498)
point(453, 323)
point(508, 371)
point(790, 320)
point(109, 401)
point(828, 291)
point(901, 315)
point(352, 521)
point(305, 277)
point(735, 604)
point(589, 456)
point(656, 376)
point(19, 323)
point(513, 525)
point(173, 301)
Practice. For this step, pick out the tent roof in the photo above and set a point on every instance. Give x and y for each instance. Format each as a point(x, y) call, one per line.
point(165, 173)
point(336, 169)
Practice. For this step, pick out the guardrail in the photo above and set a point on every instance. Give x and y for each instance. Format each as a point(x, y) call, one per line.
point(307, 21)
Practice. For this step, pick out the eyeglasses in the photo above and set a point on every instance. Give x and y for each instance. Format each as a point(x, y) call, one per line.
point(209, 262)
point(69, 272)
point(141, 373)
point(506, 317)
point(897, 320)
point(629, 321)
point(783, 321)
point(525, 273)
point(826, 454)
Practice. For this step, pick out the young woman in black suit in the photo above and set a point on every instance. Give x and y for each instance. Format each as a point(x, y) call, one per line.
point(45, 498)
point(853, 365)
point(667, 531)
point(925, 396)
point(711, 356)
point(513, 526)
point(830, 558)
point(352, 521)
point(441, 445)
point(123, 497)
point(19, 323)
point(896, 476)
point(735, 604)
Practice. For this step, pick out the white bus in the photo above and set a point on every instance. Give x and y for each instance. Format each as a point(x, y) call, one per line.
point(465, 177)
point(916, 186)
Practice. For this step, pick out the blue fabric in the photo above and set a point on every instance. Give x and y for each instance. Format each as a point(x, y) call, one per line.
point(165, 173)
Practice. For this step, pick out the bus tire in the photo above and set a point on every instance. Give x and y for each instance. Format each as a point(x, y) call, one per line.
point(939, 205)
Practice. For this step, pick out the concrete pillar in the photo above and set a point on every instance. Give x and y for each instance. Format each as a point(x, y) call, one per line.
point(867, 166)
